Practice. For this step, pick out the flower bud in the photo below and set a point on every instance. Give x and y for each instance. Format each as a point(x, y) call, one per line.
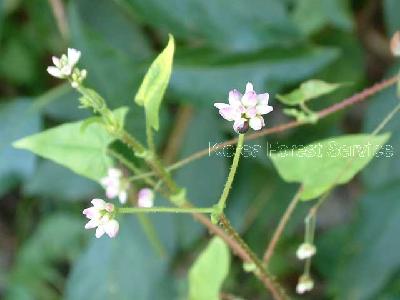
point(146, 198)
point(306, 250)
point(304, 284)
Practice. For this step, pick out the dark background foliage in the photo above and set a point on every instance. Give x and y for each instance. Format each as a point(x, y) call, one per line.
point(276, 44)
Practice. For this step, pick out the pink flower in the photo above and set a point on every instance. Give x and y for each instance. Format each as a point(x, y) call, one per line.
point(101, 215)
point(146, 198)
point(115, 185)
point(245, 110)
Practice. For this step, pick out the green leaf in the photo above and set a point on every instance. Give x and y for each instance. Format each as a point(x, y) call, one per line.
point(327, 163)
point(17, 119)
point(209, 271)
point(270, 69)
point(372, 249)
point(324, 12)
point(121, 268)
point(84, 152)
point(308, 90)
point(155, 82)
point(223, 24)
point(50, 178)
point(112, 46)
point(57, 241)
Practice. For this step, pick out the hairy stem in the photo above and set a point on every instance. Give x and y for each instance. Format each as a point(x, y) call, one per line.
point(225, 193)
point(276, 291)
point(281, 226)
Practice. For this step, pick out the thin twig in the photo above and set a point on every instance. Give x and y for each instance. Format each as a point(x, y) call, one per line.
point(275, 289)
point(59, 14)
point(177, 135)
point(356, 98)
point(281, 226)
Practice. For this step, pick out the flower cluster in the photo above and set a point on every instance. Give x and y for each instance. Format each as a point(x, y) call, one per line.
point(395, 44)
point(305, 283)
point(101, 215)
point(245, 110)
point(64, 67)
point(115, 185)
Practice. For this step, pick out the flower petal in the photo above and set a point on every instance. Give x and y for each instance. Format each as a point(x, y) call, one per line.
point(251, 112)
point(264, 109)
point(230, 113)
point(146, 198)
point(91, 213)
point(256, 123)
point(92, 224)
point(111, 228)
point(56, 61)
point(100, 231)
point(238, 124)
point(263, 98)
point(123, 196)
point(98, 203)
point(221, 105)
point(114, 173)
point(234, 98)
point(53, 71)
point(249, 87)
point(249, 99)
point(73, 56)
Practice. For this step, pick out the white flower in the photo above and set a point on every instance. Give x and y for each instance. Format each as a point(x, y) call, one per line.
point(101, 215)
point(115, 185)
point(305, 251)
point(64, 65)
point(146, 198)
point(304, 284)
point(245, 110)
point(395, 44)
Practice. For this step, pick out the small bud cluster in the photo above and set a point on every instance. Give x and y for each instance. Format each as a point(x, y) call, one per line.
point(115, 185)
point(64, 68)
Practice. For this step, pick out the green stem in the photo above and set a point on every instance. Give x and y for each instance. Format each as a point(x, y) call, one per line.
point(276, 290)
point(134, 210)
point(387, 119)
point(150, 138)
point(225, 193)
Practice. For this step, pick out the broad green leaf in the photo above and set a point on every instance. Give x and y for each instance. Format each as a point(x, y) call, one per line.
point(152, 89)
point(36, 270)
point(324, 12)
point(224, 24)
point(17, 119)
point(327, 163)
point(50, 178)
point(308, 90)
point(82, 151)
point(209, 271)
point(214, 74)
point(372, 248)
point(113, 47)
point(122, 268)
